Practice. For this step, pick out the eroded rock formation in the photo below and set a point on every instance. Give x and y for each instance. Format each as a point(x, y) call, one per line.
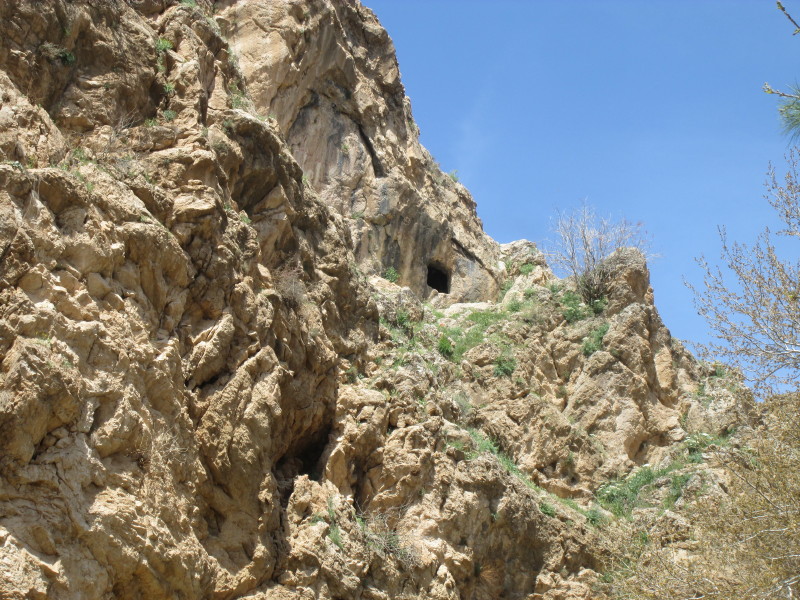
point(204, 394)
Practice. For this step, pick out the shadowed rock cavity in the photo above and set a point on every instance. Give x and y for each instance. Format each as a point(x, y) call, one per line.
point(439, 278)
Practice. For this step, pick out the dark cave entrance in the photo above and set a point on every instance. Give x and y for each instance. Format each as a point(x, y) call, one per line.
point(439, 278)
point(302, 460)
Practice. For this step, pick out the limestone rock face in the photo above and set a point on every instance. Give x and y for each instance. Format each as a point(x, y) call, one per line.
point(328, 73)
point(206, 388)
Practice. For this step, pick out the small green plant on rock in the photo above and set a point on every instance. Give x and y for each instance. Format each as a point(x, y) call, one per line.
point(391, 275)
point(574, 309)
point(334, 531)
point(594, 341)
point(526, 269)
point(445, 346)
point(163, 45)
point(547, 509)
point(504, 366)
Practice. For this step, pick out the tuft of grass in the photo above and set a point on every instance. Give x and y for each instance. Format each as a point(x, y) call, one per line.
point(334, 531)
point(547, 509)
point(169, 89)
point(514, 306)
point(169, 115)
point(504, 366)
point(391, 275)
point(445, 346)
point(676, 485)
point(573, 308)
point(622, 496)
point(599, 305)
point(526, 269)
point(595, 516)
point(66, 57)
point(163, 45)
point(594, 341)
point(453, 175)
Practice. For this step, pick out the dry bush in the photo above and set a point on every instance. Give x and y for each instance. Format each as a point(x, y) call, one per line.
point(583, 243)
point(745, 545)
point(288, 281)
point(753, 306)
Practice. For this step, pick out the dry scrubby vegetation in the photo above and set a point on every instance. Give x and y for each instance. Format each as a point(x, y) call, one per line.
point(744, 544)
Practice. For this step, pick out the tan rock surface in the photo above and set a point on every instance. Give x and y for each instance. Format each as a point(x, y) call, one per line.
point(205, 389)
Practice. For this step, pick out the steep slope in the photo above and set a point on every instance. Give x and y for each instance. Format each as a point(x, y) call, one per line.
point(328, 73)
point(205, 389)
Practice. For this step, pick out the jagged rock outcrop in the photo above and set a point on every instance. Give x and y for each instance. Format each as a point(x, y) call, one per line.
point(202, 395)
point(328, 73)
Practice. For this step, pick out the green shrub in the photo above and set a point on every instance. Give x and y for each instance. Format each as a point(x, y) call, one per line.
point(391, 274)
point(169, 88)
point(504, 366)
point(547, 509)
point(189, 3)
point(162, 45)
point(622, 496)
point(529, 293)
point(453, 175)
point(514, 306)
point(526, 269)
point(676, 485)
point(594, 341)
point(484, 318)
point(403, 318)
point(598, 305)
point(504, 289)
point(169, 115)
point(595, 516)
point(66, 57)
point(445, 346)
point(574, 309)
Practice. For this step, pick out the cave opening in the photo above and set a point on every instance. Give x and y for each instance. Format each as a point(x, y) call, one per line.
point(439, 278)
point(303, 460)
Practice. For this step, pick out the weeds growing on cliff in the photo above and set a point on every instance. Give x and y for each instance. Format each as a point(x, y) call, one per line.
point(486, 445)
point(289, 285)
point(594, 341)
point(391, 275)
point(504, 365)
point(238, 98)
point(574, 309)
point(445, 346)
point(547, 509)
point(462, 340)
point(53, 52)
point(163, 45)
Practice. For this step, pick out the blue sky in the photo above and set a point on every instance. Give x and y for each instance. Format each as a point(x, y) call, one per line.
point(651, 110)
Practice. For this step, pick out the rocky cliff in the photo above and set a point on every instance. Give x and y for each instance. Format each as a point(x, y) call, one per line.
point(206, 389)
